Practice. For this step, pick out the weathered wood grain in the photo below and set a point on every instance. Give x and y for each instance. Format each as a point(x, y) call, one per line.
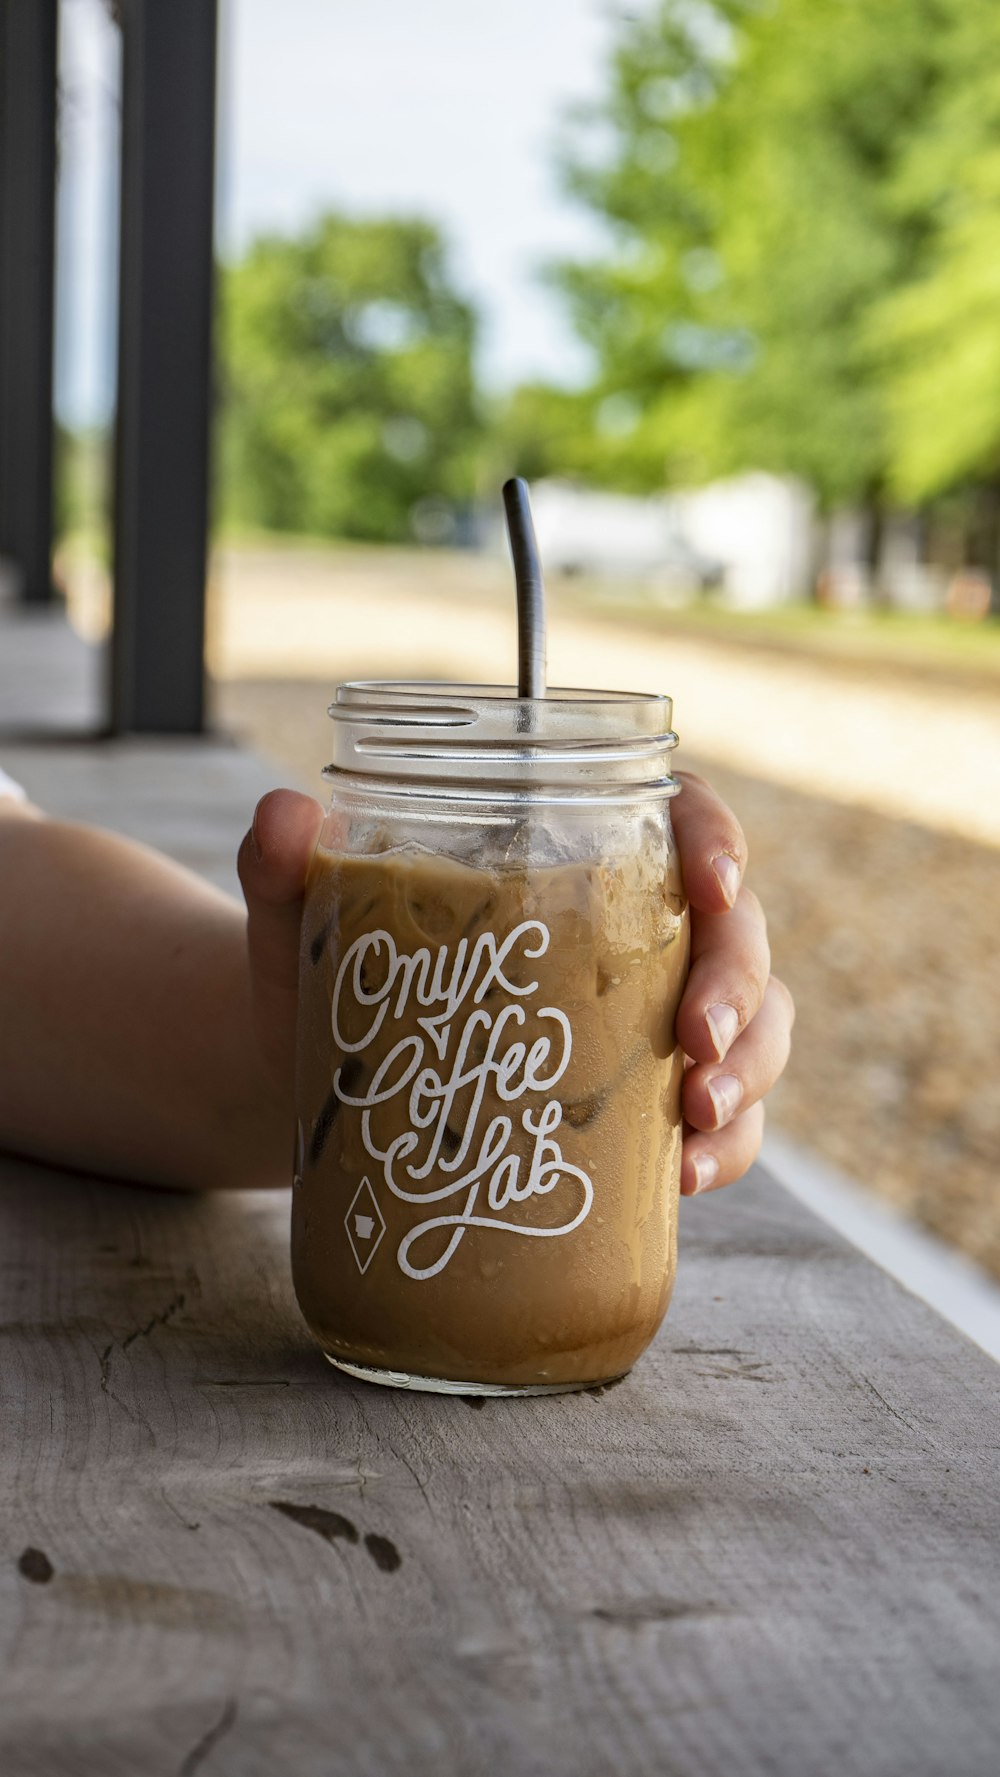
point(774, 1549)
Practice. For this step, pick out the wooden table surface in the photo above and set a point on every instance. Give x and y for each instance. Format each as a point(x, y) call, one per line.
point(774, 1549)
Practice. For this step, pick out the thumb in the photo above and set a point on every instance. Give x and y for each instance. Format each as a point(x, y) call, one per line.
point(273, 863)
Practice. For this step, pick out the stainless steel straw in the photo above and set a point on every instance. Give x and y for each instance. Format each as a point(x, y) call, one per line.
point(530, 589)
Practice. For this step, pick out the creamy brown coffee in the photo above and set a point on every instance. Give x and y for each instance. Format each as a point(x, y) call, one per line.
point(489, 1120)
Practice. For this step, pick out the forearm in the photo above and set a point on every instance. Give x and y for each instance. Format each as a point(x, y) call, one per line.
point(126, 1043)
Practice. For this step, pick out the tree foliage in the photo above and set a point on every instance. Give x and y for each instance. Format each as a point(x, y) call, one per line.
point(938, 335)
point(802, 203)
point(348, 381)
point(754, 193)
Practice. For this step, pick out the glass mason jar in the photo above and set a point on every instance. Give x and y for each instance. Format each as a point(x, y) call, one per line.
point(488, 1083)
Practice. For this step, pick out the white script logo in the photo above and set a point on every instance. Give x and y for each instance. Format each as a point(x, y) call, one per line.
point(444, 1057)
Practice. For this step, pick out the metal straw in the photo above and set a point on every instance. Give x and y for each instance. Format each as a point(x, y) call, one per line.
point(530, 589)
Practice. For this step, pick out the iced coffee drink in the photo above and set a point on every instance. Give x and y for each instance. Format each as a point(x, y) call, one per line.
point(488, 1087)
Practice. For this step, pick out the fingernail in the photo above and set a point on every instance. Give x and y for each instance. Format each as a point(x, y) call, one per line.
point(728, 872)
point(723, 1023)
point(258, 849)
point(706, 1171)
point(725, 1091)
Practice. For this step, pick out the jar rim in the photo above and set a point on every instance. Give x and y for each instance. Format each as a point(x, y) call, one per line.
point(410, 693)
point(487, 733)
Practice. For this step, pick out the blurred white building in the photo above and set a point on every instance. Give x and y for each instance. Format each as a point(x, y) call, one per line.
point(753, 537)
point(761, 529)
point(585, 531)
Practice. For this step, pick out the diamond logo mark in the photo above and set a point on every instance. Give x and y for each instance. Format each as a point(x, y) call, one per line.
point(365, 1225)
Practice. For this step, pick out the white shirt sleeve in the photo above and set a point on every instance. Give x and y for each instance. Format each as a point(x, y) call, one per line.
point(9, 788)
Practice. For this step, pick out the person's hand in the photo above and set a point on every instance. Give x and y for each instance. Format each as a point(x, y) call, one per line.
point(734, 1020)
point(273, 863)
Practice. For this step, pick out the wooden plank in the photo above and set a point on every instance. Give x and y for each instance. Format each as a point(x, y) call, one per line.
point(50, 680)
point(773, 1549)
point(191, 799)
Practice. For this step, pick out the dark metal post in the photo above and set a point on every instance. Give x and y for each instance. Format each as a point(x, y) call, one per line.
point(164, 365)
point(27, 261)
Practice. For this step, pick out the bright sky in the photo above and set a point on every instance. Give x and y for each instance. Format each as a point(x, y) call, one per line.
point(446, 108)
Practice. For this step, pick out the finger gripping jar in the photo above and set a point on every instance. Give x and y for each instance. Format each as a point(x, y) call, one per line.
point(488, 1082)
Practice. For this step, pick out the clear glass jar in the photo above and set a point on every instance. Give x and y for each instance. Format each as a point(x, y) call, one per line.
point(494, 945)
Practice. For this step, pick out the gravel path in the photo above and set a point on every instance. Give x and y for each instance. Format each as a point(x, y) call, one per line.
point(894, 743)
point(886, 933)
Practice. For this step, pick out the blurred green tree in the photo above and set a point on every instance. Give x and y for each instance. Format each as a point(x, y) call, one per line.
point(540, 429)
point(348, 388)
point(939, 334)
point(747, 166)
